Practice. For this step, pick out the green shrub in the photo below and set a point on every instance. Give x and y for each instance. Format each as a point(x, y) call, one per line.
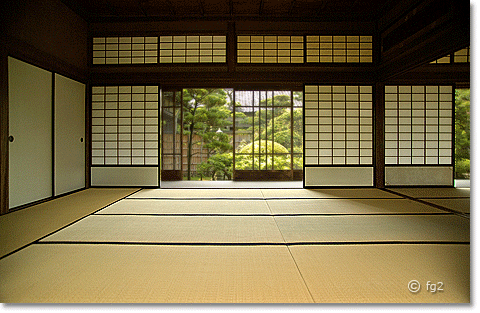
point(462, 168)
point(263, 146)
point(218, 165)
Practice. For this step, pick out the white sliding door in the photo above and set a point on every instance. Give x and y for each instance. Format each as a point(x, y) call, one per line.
point(69, 135)
point(125, 136)
point(30, 128)
point(338, 136)
point(419, 130)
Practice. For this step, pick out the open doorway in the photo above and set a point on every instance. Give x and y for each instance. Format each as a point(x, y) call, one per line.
point(197, 134)
point(462, 137)
point(224, 135)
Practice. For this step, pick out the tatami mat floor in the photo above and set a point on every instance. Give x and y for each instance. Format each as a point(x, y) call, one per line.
point(250, 245)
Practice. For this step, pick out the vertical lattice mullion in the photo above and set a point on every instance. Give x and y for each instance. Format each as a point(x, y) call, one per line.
point(332, 122)
point(118, 126)
point(398, 125)
point(253, 130)
point(425, 125)
point(104, 125)
point(359, 126)
point(411, 125)
point(439, 125)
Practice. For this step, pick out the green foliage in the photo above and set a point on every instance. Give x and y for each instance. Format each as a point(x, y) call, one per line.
point(204, 112)
point(273, 122)
point(462, 168)
point(265, 155)
point(280, 128)
point(217, 165)
point(267, 162)
point(207, 110)
point(263, 146)
point(462, 132)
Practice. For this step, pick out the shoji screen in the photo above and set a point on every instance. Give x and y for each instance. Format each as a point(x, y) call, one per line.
point(193, 49)
point(125, 136)
point(69, 127)
point(338, 140)
point(30, 128)
point(125, 50)
point(419, 135)
point(270, 49)
point(340, 49)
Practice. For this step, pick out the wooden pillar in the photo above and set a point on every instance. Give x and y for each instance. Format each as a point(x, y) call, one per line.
point(3, 129)
point(231, 47)
point(379, 175)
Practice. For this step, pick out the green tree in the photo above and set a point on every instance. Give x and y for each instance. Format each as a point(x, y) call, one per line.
point(280, 129)
point(462, 132)
point(204, 112)
point(216, 165)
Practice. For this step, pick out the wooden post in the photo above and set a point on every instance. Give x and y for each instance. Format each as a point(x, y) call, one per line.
point(379, 175)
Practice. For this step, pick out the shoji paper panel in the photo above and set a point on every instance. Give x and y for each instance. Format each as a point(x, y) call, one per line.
point(270, 49)
point(125, 125)
point(125, 50)
point(338, 125)
point(418, 125)
point(338, 135)
point(419, 135)
point(339, 49)
point(193, 49)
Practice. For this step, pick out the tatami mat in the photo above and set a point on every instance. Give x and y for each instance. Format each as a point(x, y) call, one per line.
point(459, 204)
point(198, 193)
point(159, 274)
point(376, 228)
point(185, 207)
point(22, 227)
point(381, 273)
point(240, 245)
point(171, 229)
point(348, 206)
point(448, 192)
point(327, 193)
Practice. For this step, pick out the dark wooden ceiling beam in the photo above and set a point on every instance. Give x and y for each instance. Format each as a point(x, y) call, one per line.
point(292, 7)
point(141, 6)
point(433, 73)
point(429, 31)
point(215, 74)
point(170, 6)
point(321, 9)
point(438, 43)
point(202, 7)
point(260, 8)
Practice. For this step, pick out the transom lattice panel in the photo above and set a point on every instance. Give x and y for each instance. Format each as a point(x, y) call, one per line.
point(125, 50)
point(125, 125)
point(338, 125)
point(339, 49)
point(418, 125)
point(460, 56)
point(270, 49)
point(193, 49)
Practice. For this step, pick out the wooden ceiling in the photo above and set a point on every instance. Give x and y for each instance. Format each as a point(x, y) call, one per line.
point(305, 10)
